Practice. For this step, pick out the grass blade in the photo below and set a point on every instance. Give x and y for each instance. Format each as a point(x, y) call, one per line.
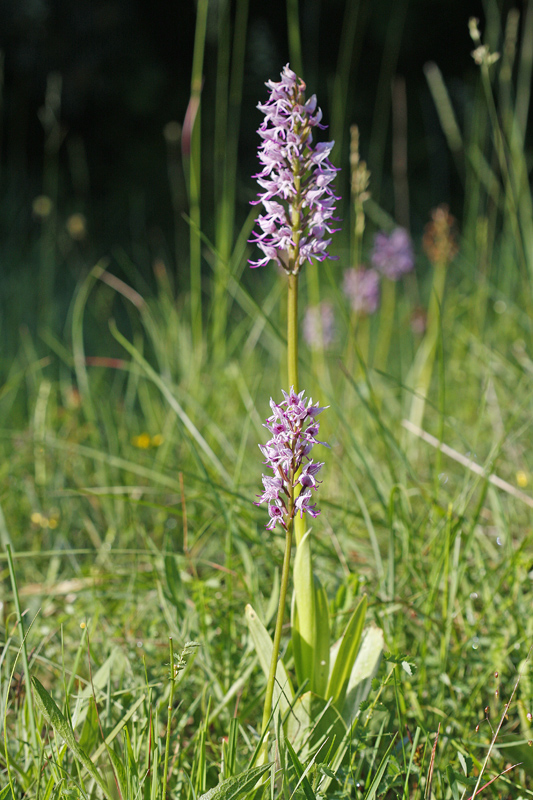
point(55, 718)
point(233, 787)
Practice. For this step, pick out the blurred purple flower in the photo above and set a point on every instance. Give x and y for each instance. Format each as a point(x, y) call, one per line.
point(393, 255)
point(361, 286)
point(319, 320)
point(294, 429)
point(298, 199)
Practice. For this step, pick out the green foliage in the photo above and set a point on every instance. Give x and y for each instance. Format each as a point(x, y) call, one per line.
point(237, 785)
point(62, 727)
point(128, 472)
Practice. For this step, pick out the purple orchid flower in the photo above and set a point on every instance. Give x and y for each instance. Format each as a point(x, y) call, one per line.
point(296, 178)
point(294, 429)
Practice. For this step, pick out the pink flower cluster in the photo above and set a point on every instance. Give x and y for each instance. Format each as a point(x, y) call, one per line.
point(393, 255)
point(294, 430)
point(296, 178)
point(361, 286)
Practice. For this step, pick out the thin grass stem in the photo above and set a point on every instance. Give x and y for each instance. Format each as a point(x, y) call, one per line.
point(24, 650)
point(169, 715)
point(293, 30)
point(195, 161)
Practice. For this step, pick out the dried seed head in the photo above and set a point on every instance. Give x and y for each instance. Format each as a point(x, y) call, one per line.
point(439, 241)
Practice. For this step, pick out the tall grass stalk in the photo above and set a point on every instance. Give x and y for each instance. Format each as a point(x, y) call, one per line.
point(50, 115)
point(170, 707)
point(386, 323)
point(295, 42)
point(422, 369)
point(381, 115)
point(230, 77)
point(24, 652)
point(346, 65)
point(193, 153)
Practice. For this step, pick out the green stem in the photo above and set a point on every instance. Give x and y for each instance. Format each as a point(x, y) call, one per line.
point(267, 709)
point(169, 715)
point(195, 175)
point(386, 323)
point(292, 332)
point(25, 662)
point(425, 357)
point(293, 30)
point(292, 358)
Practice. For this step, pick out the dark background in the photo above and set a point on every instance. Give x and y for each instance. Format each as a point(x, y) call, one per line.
point(125, 68)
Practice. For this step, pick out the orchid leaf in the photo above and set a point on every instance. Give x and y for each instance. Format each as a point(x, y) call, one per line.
point(304, 591)
point(296, 642)
point(364, 669)
point(346, 655)
point(233, 787)
point(283, 691)
point(321, 655)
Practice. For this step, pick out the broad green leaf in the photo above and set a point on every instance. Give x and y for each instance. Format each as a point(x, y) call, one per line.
point(237, 785)
point(346, 654)
point(296, 643)
point(304, 591)
point(5, 793)
point(364, 669)
point(321, 638)
point(321, 668)
point(314, 725)
point(283, 691)
point(55, 718)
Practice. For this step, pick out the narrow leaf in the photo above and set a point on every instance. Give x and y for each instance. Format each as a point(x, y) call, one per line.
point(119, 726)
point(346, 655)
point(314, 725)
point(55, 718)
point(283, 691)
point(120, 771)
point(374, 786)
point(231, 788)
point(321, 667)
point(303, 780)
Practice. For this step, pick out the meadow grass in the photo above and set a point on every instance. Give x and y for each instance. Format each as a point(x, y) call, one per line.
point(131, 545)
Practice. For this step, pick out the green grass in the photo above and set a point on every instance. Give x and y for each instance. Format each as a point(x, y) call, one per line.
point(117, 556)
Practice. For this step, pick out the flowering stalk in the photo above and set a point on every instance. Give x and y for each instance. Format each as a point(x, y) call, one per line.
point(298, 198)
point(294, 432)
point(296, 227)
